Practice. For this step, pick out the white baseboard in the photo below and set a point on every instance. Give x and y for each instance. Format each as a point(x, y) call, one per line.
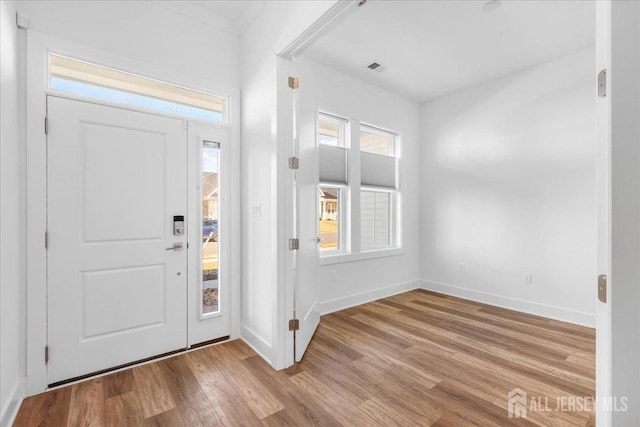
point(365, 297)
point(10, 409)
point(551, 312)
point(260, 346)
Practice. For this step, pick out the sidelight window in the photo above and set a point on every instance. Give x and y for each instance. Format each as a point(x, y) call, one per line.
point(210, 227)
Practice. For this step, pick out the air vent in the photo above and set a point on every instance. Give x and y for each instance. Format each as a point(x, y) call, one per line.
point(377, 67)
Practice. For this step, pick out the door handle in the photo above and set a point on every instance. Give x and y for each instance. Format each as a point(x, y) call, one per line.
point(175, 247)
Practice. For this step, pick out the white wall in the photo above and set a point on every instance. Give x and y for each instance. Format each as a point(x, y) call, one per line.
point(263, 250)
point(508, 186)
point(12, 243)
point(144, 31)
point(360, 281)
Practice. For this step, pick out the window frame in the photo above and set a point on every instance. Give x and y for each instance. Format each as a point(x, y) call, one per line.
point(49, 90)
point(351, 232)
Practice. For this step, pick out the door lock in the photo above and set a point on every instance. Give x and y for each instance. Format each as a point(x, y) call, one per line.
point(175, 247)
point(178, 225)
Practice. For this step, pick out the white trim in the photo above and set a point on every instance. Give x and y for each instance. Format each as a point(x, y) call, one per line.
point(38, 47)
point(11, 408)
point(537, 309)
point(228, 212)
point(604, 168)
point(259, 345)
point(365, 254)
point(343, 303)
point(338, 12)
point(36, 215)
point(129, 107)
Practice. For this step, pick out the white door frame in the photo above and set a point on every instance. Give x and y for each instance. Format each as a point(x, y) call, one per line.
point(286, 148)
point(38, 48)
point(603, 310)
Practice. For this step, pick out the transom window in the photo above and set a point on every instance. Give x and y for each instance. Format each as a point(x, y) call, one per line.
point(331, 130)
point(376, 141)
point(106, 84)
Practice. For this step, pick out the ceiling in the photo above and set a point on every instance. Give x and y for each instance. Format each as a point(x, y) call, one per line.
point(431, 48)
point(231, 16)
point(242, 12)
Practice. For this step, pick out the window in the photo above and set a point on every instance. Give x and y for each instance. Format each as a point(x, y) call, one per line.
point(331, 130)
point(333, 182)
point(378, 170)
point(376, 142)
point(375, 219)
point(329, 219)
point(210, 226)
point(377, 187)
point(90, 80)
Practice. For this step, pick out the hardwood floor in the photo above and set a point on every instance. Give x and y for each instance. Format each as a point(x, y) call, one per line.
point(418, 358)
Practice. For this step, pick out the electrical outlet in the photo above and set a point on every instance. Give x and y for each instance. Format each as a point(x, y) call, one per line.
point(461, 267)
point(333, 276)
point(527, 278)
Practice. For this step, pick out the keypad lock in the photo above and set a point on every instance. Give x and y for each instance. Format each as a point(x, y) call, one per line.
point(178, 225)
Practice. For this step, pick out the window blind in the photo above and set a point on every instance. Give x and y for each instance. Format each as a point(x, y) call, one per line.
point(377, 170)
point(375, 219)
point(333, 164)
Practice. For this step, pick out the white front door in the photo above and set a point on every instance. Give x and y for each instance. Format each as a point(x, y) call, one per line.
point(117, 273)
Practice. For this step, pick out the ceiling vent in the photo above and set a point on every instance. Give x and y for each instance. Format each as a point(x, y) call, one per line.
point(375, 66)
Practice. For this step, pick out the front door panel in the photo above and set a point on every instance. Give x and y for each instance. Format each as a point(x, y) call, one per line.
point(116, 287)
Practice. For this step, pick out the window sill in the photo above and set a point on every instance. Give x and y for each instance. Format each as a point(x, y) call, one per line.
point(370, 254)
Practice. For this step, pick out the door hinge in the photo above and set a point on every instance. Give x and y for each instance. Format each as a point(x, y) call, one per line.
point(46, 354)
point(46, 125)
point(294, 162)
point(46, 240)
point(294, 82)
point(294, 244)
point(602, 83)
point(602, 288)
point(294, 325)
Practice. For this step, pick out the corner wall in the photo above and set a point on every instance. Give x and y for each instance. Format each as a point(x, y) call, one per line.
point(357, 282)
point(509, 186)
point(12, 242)
point(264, 207)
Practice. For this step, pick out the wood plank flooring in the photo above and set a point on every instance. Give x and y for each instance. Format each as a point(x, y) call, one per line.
point(418, 358)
